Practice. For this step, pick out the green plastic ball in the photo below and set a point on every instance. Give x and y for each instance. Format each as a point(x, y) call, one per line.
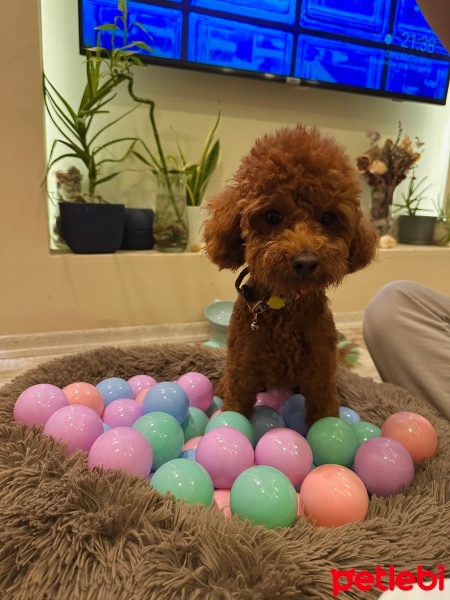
point(194, 424)
point(265, 496)
point(365, 431)
point(186, 480)
point(332, 441)
point(233, 419)
point(164, 434)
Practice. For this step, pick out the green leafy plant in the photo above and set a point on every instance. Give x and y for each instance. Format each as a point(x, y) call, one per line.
point(106, 70)
point(197, 174)
point(414, 196)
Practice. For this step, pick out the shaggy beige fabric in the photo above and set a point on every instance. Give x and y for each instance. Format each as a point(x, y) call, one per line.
point(66, 533)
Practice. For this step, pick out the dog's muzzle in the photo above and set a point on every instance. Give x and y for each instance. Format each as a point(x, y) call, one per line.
point(305, 263)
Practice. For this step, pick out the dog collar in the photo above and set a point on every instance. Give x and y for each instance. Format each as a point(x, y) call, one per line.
point(258, 306)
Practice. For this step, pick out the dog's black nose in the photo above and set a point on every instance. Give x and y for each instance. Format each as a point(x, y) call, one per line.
point(305, 263)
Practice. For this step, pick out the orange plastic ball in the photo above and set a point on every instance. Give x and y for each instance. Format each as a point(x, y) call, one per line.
point(140, 396)
point(414, 432)
point(332, 495)
point(85, 394)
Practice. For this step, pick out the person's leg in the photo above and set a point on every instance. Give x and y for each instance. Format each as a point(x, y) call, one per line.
point(406, 329)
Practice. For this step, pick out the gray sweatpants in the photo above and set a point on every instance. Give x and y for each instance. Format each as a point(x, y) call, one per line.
point(406, 329)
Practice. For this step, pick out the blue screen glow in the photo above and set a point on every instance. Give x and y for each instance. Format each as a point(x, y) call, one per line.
point(382, 47)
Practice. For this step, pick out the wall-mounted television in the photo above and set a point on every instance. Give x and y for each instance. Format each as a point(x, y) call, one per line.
point(379, 47)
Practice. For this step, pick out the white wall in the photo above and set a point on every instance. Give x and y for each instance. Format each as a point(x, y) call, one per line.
point(187, 101)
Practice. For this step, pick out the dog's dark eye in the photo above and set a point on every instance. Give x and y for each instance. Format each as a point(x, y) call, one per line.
point(272, 217)
point(327, 219)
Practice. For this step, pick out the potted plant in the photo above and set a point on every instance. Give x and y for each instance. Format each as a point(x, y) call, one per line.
point(441, 236)
point(194, 177)
point(88, 223)
point(413, 228)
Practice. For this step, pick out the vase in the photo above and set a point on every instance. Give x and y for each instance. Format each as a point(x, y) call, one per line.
point(381, 208)
point(441, 234)
point(170, 226)
point(196, 215)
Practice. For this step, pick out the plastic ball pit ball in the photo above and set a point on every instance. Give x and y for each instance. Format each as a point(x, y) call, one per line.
point(293, 411)
point(365, 431)
point(85, 394)
point(263, 419)
point(222, 501)
point(164, 434)
point(168, 397)
point(348, 415)
point(192, 443)
point(114, 388)
point(384, 465)
point(194, 424)
point(122, 448)
point(265, 399)
point(141, 382)
point(285, 450)
point(225, 453)
point(186, 480)
point(122, 413)
point(332, 441)
point(229, 418)
point(76, 425)
point(198, 388)
point(332, 495)
point(281, 394)
point(36, 404)
point(215, 406)
point(414, 432)
point(264, 496)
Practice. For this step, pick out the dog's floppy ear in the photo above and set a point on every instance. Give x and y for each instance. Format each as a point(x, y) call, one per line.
point(222, 231)
point(363, 245)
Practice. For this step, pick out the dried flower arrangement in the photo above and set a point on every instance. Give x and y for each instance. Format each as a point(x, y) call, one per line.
point(384, 167)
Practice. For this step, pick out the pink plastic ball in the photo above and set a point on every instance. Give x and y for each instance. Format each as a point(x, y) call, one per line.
point(141, 382)
point(281, 394)
point(285, 450)
point(36, 404)
point(332, 495)
point(86, 394)
point(222, 501)
point(414, 432)
point(122, 413)
point(122, 448)
point(192, 443)
point(224, 452)
point(76, 425)
point(198, 388)
point(384, 465)
point(265, 399)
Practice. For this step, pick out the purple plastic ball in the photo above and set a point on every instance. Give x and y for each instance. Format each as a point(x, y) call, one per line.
point(168, 397)
point(38, 403)
point(263, 419)
point(293, 412)
point(198, 388)
point(122, 413)
point(141, 382)
point(76, 425)
point(384, 465)
point(225, 453)
point(122, 448)
point(285, 450)
point(114, 388)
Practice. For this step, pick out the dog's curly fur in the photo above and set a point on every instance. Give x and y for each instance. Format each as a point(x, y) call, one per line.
point(293, 215)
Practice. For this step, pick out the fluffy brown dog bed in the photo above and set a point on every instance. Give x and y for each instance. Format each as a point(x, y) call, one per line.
point(69, 533)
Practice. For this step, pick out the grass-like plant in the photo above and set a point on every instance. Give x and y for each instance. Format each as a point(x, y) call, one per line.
point(414, 196)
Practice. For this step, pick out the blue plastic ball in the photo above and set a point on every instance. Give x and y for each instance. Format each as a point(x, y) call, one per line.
point(293, 412)
point(189, 454)
point(263, 419)
point(168, 397)
point(114, 388)
point(348, 415)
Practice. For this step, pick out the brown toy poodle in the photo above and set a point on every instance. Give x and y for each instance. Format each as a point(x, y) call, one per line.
point(293, 217)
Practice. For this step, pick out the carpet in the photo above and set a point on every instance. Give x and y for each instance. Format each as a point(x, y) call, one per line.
point(66, 532)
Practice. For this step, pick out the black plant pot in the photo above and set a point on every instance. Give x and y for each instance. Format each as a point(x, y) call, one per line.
point(138, 232)
point(92, 228)
point(416, 229)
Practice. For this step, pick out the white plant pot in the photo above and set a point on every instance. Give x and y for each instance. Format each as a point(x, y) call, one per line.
point(196, 216)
